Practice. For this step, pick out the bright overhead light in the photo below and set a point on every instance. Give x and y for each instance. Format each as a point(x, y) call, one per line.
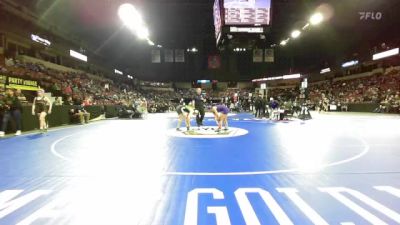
point(142, 32)
point(385, 54)
point(40, 40)
point(130, 16)
point(268, 79)
point(118, 72)
point(133, 20)
point(159, 46)
point(326, 70)
point(194, 49)
point(273, 78)
point(291, 76)
point(285, 77)
point(295, 34)
point(350, 63)
point(305, 26)
point(316, 18)
point(78, 55)
point(150, 42)
point(283, 43)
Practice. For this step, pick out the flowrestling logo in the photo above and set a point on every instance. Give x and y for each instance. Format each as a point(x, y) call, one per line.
point(370, 15)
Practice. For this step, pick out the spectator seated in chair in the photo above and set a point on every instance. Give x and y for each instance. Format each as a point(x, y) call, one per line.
point(126, 111)
point(274, 105)
point(79, 114)
point(2, 107)
point(58, 101)
point(344, 107)
point(288, 109)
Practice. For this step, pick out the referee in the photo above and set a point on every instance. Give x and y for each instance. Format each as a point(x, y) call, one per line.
point(199, 106)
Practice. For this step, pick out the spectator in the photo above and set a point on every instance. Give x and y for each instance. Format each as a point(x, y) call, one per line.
point(58, 101)
point(11, 109)
point(21, 97)
point(258, 106)
point(81, 114)
point(69, 101)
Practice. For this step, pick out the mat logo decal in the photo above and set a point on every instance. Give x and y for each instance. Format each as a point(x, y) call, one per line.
point(208, 132)
point(341, 194)
point(365, 206)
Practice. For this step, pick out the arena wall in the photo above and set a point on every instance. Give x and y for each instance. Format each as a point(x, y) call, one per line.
point(183, 85)
point(28, 59)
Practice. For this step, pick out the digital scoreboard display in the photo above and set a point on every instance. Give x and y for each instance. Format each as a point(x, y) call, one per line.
point(247, 12)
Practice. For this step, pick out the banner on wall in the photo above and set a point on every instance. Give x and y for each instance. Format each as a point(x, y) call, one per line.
point(179, 55)
point(257, 55)
point(269, 55)
point(3, 80)
point(2, 57)
point(214, 62)
point(168, 56)
point(18, 83)
point(155, 56)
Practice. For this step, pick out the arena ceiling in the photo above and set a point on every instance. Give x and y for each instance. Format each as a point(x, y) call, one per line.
point(187, 23)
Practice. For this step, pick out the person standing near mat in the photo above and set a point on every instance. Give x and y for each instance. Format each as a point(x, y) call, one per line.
point(258, 106)
point(199, 106)
point(221, 116)
point(184, 113)
point(41, 107)
point(12, 109)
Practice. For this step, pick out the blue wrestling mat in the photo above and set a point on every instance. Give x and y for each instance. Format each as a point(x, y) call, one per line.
point(335, 169)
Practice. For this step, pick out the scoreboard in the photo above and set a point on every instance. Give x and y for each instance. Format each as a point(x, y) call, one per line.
point(240, 16)
point(244, 16)
point(247, 12)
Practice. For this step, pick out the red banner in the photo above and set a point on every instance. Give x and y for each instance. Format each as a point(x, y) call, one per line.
point(214, 62)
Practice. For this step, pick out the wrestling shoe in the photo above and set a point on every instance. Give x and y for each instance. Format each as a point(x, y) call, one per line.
point(2, 134)
point(178, 129)
point(18, 133)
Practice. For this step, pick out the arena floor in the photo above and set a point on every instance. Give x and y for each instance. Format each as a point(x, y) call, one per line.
point(338, 168)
